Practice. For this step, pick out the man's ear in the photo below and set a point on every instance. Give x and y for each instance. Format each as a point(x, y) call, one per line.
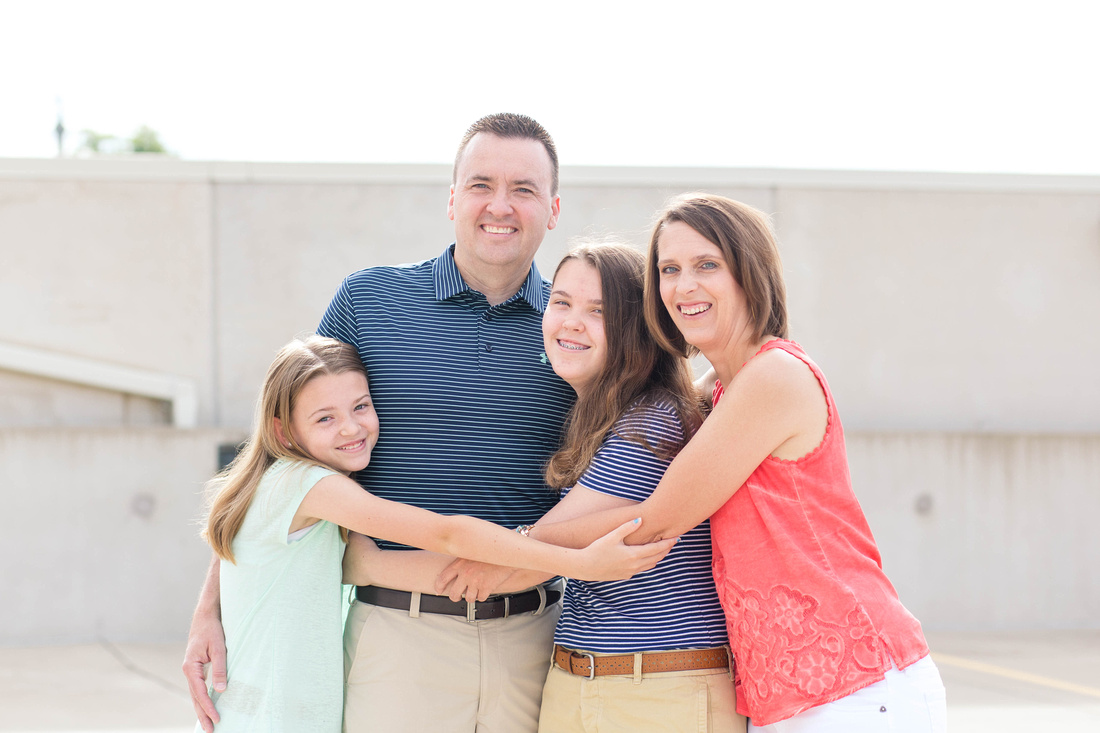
point(555, 212)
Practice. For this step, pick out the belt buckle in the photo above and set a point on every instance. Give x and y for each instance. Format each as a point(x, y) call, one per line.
point(591, 665)
point(471, 609)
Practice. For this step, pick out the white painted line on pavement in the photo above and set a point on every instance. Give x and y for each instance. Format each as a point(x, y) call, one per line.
point(1013, 674)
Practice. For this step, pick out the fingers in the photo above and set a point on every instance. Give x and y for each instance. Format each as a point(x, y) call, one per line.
point(441, 589)
point(200, 698)
point(487, 579)
point(471, 580)
point(445, 581)
point(647, 556)
point(477, 589)
point(217, 669)
point(448, 575)
point(624, 530)
point(618, 560)
point(463, 579)
point(656, 551)
point(205, 646)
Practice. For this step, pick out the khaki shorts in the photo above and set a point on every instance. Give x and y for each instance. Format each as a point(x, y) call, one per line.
point(443, 673)
point(699, 701)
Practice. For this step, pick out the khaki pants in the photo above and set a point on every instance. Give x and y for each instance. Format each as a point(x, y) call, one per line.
point(699, 701)
point(442, 673)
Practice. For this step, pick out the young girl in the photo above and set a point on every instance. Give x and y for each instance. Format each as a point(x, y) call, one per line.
point(274, 522)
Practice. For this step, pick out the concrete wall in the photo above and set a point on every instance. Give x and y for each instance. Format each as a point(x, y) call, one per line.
point(101, 538)
point(119, 271)
point(982, 532)
point(960, 303)
point(977, 532)
point(955, 317)
point(950, 310)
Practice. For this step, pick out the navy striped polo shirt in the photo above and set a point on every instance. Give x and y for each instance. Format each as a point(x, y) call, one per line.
point(468, 408)
point(672, 606)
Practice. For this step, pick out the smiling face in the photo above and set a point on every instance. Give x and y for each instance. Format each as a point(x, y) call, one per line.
point(573, 325)
point(334, 421)
point(502, 204)
point(699, 291)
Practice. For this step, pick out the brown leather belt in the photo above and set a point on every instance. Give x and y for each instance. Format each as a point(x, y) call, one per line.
point(591, 666)
point(496, 607)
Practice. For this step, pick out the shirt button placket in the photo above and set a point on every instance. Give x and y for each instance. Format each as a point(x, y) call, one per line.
point(484, 337)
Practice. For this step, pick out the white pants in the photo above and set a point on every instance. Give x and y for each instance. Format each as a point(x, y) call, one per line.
point(910, 700)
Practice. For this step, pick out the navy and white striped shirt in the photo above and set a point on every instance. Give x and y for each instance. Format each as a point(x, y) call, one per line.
point(469, 410)
point(672, 606)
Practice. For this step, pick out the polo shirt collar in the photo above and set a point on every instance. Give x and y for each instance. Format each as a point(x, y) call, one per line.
point(449, 283)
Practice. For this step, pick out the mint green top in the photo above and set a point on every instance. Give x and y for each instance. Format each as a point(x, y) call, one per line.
point(282, 613)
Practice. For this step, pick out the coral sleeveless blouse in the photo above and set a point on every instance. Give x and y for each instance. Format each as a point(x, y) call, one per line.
point(810, 614)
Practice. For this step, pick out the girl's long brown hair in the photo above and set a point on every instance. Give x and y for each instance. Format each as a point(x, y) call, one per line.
point(636, 368)
point(231, 491)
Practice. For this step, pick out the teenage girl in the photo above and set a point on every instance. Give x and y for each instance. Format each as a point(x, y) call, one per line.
point(648, 653)
point(275, 521)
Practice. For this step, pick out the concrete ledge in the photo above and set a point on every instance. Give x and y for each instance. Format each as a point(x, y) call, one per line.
point(162, 168)
point(182, 393)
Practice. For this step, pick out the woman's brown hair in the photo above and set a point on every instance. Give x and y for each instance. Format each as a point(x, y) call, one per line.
point(748, 246)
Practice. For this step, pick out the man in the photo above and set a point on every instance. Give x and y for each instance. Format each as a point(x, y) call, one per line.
point(469, 414)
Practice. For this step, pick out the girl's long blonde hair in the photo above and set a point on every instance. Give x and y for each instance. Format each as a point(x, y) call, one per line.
point(636, 368)
point(231, 491)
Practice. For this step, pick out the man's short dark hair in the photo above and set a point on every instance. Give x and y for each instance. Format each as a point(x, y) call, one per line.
point(507, 124)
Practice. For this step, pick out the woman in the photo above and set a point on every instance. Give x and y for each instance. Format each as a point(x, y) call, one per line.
point(647, 653)
point(820, 638)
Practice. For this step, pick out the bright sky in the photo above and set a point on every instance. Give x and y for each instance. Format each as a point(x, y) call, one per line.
point(958, 85)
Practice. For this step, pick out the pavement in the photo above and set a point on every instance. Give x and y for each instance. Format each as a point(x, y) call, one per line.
point(1004, 682)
